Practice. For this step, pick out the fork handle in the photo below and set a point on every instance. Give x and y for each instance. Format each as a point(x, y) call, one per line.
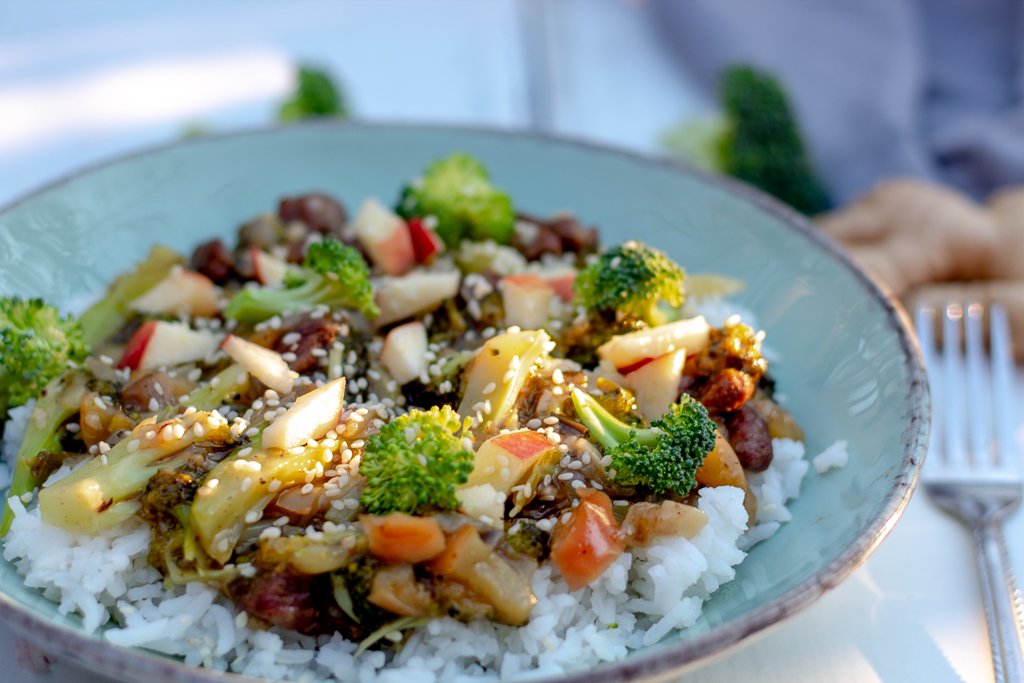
point(1002, 602)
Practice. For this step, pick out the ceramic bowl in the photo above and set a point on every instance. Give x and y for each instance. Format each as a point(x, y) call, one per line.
point(846, 363)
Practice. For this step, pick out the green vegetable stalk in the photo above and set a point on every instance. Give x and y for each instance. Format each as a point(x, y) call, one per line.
point(110, 314)
point(57, 402)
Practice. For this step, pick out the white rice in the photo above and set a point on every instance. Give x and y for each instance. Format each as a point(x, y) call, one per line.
point(642, 597)
point(833, 456)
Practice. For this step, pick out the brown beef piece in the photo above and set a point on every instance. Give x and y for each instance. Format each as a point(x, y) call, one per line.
point(294, 601)
point(749, 437)
point(213, 260)
point(727, 390)
point(316, 333)
point(556, 236)
point(320, 212)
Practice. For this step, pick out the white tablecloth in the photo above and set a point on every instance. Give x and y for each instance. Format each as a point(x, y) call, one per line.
point(81, 81)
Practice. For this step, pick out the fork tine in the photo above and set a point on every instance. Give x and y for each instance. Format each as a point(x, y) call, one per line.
point(926, 339)
point(979, 420)
point(1002, 388)
point(954, 409)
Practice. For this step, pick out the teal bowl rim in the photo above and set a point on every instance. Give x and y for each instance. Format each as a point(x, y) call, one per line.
point(112, 660)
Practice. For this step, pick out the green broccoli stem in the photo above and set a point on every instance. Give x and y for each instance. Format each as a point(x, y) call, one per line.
point(59, 401)
point(109, 314)
point(104, 492)
point(257, 305)
point(225, 384)
point(605, 427)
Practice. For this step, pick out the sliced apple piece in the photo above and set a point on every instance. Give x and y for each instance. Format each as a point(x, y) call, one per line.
point(526, 299)
point(182, 292)
point(160, 343)
point(561, 279)
point(656, 384)
point(313, 415)
point(425, 242)
point(627, 350)
point(267, 269)
point(502, 460)
point(404, 352)
point(417, 292)
point(264, 364)
point(385, 236)
point(497, 374)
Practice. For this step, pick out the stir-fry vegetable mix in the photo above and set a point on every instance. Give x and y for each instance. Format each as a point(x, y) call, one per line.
point(357, 424)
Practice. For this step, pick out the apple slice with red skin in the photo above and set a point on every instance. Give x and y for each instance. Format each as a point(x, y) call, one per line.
point(267, 269)
point(503, 459)
point(160, 343)
point(404, 352)
point(416, 292)
point(425, 242)
point(561, 279)
point(629, 351)
point(313, 415)
point(386, 238)
point(182, 292)
point(526, 299)
point(264, 364)
point(656, 384)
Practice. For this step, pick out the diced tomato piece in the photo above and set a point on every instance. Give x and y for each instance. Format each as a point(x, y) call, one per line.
point(398, 537)
point(590, 542)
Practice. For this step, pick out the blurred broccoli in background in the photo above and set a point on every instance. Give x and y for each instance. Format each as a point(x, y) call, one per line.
point(315, 95)
point(756, 139)
point(36, 345)
point(457, 191)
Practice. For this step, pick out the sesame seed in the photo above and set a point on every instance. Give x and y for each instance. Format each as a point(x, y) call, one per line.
point(274, 485)
point(491, 386)
point(271, 532)
point(557, 377)
point(551, 420)
point(133, 445)
point(308, 488)
point(533, 424)
point(246, 484)
point(179, 430)
point(565, 476)
point(620, 503)
point(191, 410)
point(198, 430)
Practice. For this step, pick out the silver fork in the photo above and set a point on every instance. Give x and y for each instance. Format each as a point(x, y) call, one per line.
point(971, 468)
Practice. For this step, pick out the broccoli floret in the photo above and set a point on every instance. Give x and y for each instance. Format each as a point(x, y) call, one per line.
point(333, 274)
point(526, 538)
point(663, 458)
point(415, 463)
point(37, 346)
point(758, 140)
point(631, 280)
point(459, 194)
point(316, 95)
